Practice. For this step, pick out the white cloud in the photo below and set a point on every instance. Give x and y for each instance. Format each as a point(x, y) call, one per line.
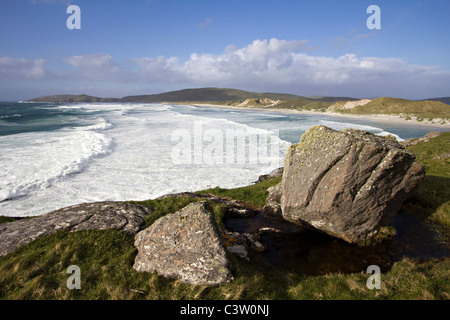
point(97, 66)
point(98, 60)
point(203, 25)
point(21, 68)
point(263, 65)
point(277, 65)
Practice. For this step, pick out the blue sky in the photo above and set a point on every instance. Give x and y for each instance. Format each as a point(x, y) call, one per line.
point(149, 46)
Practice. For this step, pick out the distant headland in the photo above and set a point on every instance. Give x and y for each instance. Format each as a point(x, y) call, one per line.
point(433, 111)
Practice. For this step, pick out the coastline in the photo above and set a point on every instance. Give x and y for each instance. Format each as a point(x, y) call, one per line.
point(392, 119)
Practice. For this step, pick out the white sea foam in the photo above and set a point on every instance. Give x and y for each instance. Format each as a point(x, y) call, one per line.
point(11, 116)
point(101, 125)
point(61, 168)
point(31, 162)
point(124, 152)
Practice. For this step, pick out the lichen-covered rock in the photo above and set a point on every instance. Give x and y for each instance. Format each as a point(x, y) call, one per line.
point(185, 245)
point(347, 183)
point(101, 215)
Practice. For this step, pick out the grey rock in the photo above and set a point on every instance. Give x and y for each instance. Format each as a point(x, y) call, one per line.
point(239, 243)
point(347, 183)
point(425, 138)
point(272, 208)
point(275, 173)
point(101, 216)
point(442, 156)
point(239, 250)
point(185, 245)
point(234, 208)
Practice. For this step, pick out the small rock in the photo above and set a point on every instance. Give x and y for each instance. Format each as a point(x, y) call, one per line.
point(275, 173)
point(239, 250)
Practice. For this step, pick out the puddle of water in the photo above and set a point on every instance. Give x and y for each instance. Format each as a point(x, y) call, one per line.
point(308, 252)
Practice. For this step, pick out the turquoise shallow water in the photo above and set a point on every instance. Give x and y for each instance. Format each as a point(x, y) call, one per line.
point(292, 126)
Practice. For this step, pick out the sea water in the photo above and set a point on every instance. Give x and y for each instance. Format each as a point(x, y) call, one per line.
point(57, 155)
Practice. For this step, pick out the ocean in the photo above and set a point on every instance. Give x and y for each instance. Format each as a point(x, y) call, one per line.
point(56, 155)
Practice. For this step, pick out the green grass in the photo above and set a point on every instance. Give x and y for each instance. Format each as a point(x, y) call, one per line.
point(6, 219)
point(38, 270)
point(429, 154)
point(432, 199)
point(420, 109)
point(105, 258)
point(254, 195)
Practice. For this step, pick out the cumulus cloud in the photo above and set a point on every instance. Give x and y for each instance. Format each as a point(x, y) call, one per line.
point(263, 65)
point(281, 65)
point(97, 66)
point(21, 68)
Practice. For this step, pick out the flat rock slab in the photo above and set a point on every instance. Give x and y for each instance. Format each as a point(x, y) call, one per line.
point(100, 216)
point(185, 245)
point(347, 183)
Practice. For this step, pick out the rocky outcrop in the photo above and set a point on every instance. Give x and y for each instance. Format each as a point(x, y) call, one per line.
point(233, 208)
point(101, 216)
point(347, 183)
point(272, 208)
point(274, 174)
point(185, 245)
point(425, 138)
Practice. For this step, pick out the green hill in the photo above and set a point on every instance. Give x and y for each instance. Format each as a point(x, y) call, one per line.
point(443, 99)
point(220, 95)
point(206, 95)
point(424, 109)
point(70, 98)
point(421, 109)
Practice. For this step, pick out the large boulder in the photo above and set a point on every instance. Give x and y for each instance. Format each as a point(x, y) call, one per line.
point(185, 245)
point(100, 216)
point(347, 183)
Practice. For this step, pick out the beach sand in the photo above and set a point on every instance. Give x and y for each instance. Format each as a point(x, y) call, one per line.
point(393, 119)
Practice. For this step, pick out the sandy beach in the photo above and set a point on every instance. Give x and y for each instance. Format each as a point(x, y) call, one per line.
point(393, 119)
